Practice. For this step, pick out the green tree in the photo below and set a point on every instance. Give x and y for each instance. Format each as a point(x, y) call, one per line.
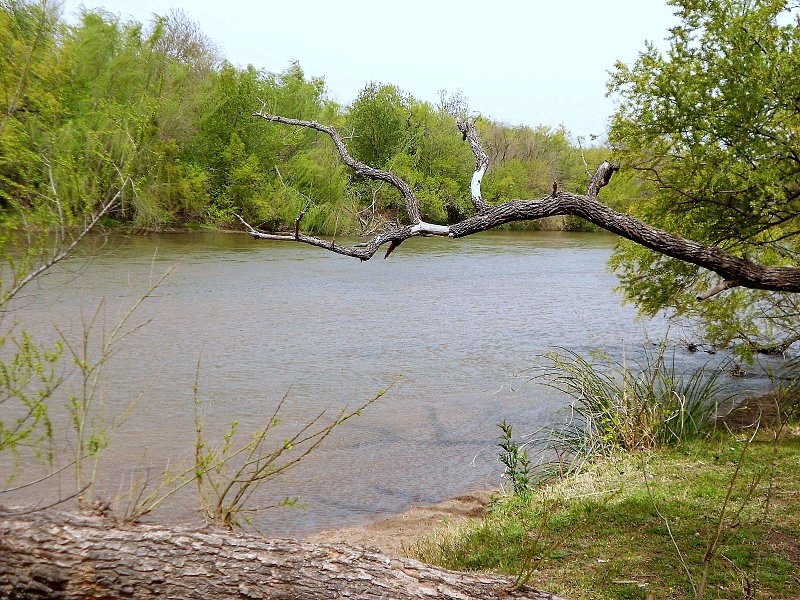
point(378, 118)
point(711, 127)
point(132, 96)
point(435, 162)
point(248, 168)
point(28, 69)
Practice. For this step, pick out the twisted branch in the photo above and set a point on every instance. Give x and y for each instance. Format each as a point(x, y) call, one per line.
point(467, 129)
point(734, 271)
point(412, 204)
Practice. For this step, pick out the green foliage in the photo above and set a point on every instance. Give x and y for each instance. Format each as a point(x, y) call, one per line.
point(106, 100)
point(392, 130)
point(711, 126)
point(379, 119)
point(90, 105)
point(28, 36)
point(132, 96)
point(28, 378)
point(629, 407)
point(514, 457)
point(251, 170)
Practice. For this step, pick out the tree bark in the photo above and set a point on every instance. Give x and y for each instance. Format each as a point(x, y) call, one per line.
point(61, 555)
point(734, 271)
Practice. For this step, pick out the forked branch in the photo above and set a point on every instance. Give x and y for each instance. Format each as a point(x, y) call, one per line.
point(734, 271)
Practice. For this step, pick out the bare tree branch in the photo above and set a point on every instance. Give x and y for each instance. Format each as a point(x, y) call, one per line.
point(64, 243)
point(467, 129)
point(35, 481)
point(734, 271)
point(412, 205)
point(737, 271)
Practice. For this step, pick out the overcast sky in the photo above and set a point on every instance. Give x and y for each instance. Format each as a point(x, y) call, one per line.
point(525, 62)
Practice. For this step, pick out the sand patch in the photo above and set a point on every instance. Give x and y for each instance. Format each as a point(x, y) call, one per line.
point(396, 533)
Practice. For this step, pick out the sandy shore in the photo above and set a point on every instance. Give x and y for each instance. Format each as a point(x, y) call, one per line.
point(393, 535)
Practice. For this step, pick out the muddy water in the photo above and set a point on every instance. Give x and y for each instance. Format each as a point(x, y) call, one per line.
point(453, 326)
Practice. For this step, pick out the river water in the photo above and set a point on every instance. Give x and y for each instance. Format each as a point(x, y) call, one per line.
point(454, 327)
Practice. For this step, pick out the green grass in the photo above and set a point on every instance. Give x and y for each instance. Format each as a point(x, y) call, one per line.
point(608, 531)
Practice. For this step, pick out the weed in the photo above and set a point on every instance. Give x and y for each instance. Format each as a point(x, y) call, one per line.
point(84, 404)
point(229, 474)
point(515, 459)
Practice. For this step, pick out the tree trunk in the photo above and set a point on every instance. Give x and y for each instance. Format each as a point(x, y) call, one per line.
point(61, 555)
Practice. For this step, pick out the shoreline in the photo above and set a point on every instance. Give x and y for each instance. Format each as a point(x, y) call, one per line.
point(393, 535)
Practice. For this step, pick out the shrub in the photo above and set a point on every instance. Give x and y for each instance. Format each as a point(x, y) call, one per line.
point(620, 406)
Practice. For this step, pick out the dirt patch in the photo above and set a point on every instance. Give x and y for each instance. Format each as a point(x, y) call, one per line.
point(767, 410)
point(786, 544)
point(395, 534)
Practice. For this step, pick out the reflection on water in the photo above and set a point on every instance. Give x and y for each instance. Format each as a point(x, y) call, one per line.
point(457, 324)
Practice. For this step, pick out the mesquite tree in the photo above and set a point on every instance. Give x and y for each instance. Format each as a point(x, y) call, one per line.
point(711, 128)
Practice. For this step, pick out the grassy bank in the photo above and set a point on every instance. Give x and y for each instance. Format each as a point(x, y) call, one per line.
point(721, 513)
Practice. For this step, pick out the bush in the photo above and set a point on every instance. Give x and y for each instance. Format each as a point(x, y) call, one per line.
point(620, 406)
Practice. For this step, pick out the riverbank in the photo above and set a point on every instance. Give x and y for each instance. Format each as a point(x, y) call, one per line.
point(720, 514)
point(396, 535)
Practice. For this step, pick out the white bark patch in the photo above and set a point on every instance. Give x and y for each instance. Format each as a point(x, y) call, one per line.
point(423, 228)
point(475, 186)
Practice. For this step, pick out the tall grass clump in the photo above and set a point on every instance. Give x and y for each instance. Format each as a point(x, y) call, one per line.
point(629, 406)
point(787, 381)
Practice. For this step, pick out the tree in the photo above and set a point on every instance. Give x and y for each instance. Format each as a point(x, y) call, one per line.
point(378, 119)
point(28, 69)
point(132, 96)
point(711, 125)
point(706, 140)
point(735, 270)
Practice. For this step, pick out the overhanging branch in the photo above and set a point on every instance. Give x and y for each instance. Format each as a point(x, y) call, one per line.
point(734, 270)
point(412, 204)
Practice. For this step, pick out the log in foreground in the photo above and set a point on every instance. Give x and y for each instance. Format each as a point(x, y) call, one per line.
point(62, 555)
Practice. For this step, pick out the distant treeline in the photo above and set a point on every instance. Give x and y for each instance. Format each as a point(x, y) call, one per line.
point(85, 106)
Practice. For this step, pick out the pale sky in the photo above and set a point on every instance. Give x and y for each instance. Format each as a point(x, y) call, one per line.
point(534, 62)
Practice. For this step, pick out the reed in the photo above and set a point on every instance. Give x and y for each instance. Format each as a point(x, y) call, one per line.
point(629, 405)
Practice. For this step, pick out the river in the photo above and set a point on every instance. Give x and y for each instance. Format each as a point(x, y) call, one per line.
point(454, 329)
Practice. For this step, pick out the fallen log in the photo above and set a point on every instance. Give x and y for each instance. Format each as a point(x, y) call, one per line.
point(64, 555)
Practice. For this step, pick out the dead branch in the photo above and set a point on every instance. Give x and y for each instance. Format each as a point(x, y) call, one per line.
point(412, 204)
point(467, 129)
point(734, 271)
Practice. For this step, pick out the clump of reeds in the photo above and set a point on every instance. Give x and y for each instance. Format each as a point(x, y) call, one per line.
point(629, 405)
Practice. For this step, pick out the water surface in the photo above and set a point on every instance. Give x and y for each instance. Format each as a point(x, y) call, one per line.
point(455, 328)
